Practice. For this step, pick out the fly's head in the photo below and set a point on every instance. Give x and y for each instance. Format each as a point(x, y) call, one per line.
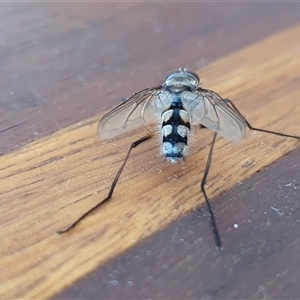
point(181, 80)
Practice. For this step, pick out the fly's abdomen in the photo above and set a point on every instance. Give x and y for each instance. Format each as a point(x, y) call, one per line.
point(175, 131)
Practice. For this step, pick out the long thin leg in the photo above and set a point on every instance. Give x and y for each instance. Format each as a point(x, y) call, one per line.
point(203, 181)
point(258, 129)
point(113, 185)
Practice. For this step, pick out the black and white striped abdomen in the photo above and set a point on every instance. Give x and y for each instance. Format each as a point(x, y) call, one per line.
point(175, 131)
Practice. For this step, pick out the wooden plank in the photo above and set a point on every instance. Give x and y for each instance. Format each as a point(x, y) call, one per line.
point(61, 62)
point(52, 181)
point(259, 221)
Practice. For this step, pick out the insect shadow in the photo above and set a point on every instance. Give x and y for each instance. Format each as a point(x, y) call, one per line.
point(177, 104)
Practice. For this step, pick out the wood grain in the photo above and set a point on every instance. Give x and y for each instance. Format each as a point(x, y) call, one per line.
point(50, 182)
point(62, 62)
point(259, 220)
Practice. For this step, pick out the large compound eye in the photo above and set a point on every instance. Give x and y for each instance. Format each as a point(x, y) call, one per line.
point(173, 73)
point(193, 74)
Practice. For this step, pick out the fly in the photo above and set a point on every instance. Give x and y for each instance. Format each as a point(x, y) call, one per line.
point(178, 103)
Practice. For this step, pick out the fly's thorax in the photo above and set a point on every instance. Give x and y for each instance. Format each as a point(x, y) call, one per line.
point(175, 132)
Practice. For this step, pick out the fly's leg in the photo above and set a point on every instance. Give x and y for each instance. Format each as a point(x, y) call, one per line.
point(258, 129)
point(113, 185)
point(203, 181)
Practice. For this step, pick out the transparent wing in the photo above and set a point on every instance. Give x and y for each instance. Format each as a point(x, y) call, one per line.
point(194, 105)
point(130, 114)
point(214, 113)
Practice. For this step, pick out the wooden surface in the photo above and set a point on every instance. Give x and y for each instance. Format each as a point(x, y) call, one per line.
point(64, 75)
point(259, 260)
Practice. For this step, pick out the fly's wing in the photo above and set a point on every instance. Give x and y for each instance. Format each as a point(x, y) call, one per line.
point(218, 116)
point(194, 105)
point(130, 114)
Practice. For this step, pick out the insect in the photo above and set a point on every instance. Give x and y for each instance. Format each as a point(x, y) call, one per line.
point(178, 103)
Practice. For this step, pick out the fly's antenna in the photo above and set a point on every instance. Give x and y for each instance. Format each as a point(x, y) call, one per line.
point(112, 187)
point(203, 181)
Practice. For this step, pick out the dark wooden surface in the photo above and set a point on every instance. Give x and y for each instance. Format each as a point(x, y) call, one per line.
point(63, 62)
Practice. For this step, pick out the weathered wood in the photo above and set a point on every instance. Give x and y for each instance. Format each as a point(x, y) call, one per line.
point(62, 62)
point(259, 220)
point(50, 182)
